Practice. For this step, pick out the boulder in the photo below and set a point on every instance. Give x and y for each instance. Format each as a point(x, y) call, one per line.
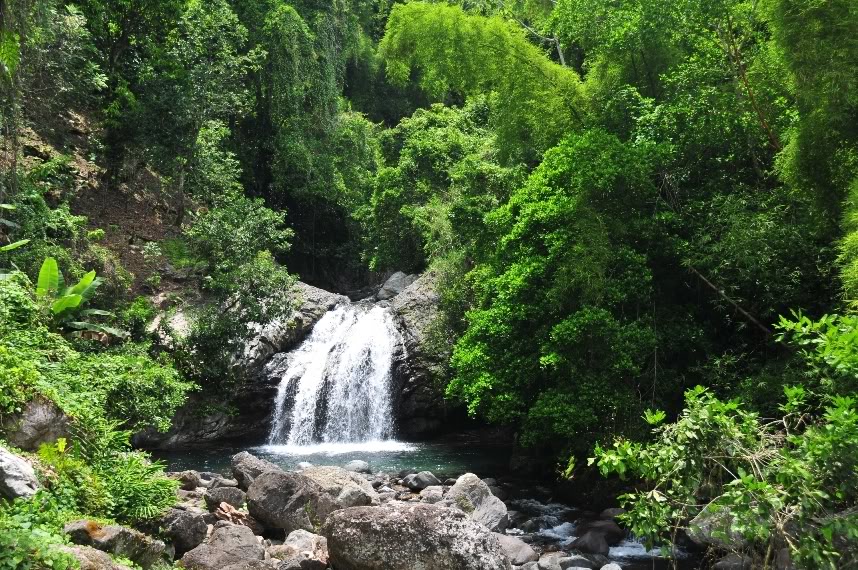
point(231, 495)
point(117, 540)
point(189, 480)
point(228, 545)
point(473, 496)
point(184, 529)
point(218, 482)
point(419, 481)
point(400, 536)
point(591, 542)
point(611, 566)
point(292, 501)
point(358, 466)
point(516, 550)
point(734, 561)
point(90, 558)
point(246, 467)
point(41, 421)
point(549, 561)
point(432, 494)
point(712, 527)
point(348, 488)
point(611, 513)
point(395, 284)
point(17, 477)
point(302, 550)
point(612, 532)
point(253, 565)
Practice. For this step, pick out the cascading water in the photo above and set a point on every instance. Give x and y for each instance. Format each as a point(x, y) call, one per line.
point(336, 388)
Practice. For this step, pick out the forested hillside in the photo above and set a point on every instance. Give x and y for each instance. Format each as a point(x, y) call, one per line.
point(642, 216)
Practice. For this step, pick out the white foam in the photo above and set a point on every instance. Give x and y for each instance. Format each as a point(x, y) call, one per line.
point(333, 448)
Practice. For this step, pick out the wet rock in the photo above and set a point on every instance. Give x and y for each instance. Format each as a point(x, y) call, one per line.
point(419, 481)
point(189, 480)
point(612, 532)
point(401, 536)
point(473, 496)
point(611, 566)
point(421, 409)
point(228, 545)
point(117, 540)
point(734, 561)
point(549, 561)
point(231, 495)
point(432, 494)
point(184, 529)
point(90, 558)
point(246, 467)
point(304, 465)
point(395, 284)
point(17, 477)
point(712, 527)
point(611, 513)
point(591, 542)
point(41, 421)
point(358, 466)
point(516, 550)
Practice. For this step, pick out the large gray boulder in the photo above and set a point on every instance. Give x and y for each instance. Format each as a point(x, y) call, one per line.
point(17, 477)
point(184, 529)
point(346, 487)
point(246, 467)
point(518, 551)
point(410, 536)
point(395, 284)
point(41, 421)
point(117, 540)
point(227, 546)
point(292, 501)
point(473, 496)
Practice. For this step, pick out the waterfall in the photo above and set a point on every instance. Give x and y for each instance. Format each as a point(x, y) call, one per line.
point(336, 388)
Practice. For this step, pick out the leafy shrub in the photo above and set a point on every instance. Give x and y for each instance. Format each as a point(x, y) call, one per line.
point(136, 317)
point(27, 540)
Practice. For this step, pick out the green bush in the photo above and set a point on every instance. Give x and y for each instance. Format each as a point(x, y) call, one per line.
point(136, 317)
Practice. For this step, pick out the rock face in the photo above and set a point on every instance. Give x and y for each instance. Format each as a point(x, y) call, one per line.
point(231, 495)
point(184, 529)
point(17, 478)
point(40, 422)
point(410, 536)
point(421, 409)
point(117, 540)
point(227, 546)
point(292, 501)
point(246, 467)
point(473, 496)
point(395, 284)
point(251, 415)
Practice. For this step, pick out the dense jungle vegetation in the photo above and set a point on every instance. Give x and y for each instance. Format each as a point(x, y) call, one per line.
point(643, 215)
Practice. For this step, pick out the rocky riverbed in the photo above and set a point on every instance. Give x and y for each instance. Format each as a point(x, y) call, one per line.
point(259, 516)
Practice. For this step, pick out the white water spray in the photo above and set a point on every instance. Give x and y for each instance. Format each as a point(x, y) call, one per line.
point(336, 388)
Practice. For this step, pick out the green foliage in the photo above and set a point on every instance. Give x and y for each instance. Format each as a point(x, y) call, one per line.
point(536, 102)
point(27, 540)
point(554, 326)
point(784, 482)
point(135, 318)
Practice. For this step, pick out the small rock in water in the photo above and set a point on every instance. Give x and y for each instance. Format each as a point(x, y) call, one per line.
point(611, 566)
point(305, 465)
point(577, 561)
point(358, 466)
point(591, 542)
point(419, 481)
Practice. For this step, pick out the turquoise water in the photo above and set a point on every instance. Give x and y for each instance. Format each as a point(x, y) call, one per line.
point(443, 459)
